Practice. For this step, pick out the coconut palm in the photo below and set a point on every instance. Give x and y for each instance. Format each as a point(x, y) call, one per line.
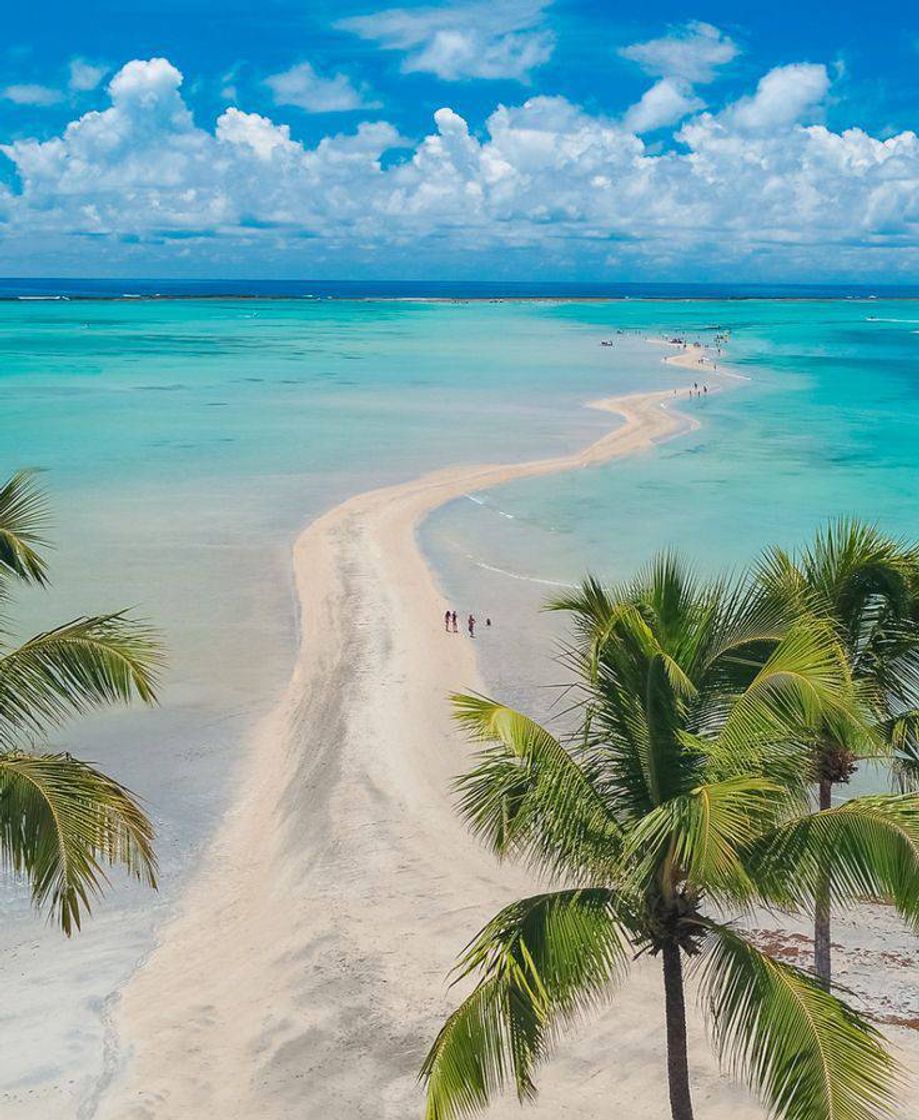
point(62, 821)
point(666, 810)
point(865, 585)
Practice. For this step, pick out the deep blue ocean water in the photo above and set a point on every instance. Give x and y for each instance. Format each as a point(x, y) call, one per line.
point(127, 288)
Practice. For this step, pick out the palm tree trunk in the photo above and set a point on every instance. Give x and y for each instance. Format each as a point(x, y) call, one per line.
point(822, 965)
point(677, 1061)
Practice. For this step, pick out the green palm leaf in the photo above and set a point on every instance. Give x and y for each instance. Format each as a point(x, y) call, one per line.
point(902, 733)
point(700, 838)
point(23, 519)
point(528, 796)
point(809, 1055)
point(804, 684)
point(859, 580)
point(61, 821)
point(869, 847)
point(542, 961)
point(89, 661)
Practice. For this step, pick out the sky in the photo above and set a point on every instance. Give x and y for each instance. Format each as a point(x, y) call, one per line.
point(480, 139)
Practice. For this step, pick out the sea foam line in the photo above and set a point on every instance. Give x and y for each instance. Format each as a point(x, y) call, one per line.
point(488, 505)
point(518, 575)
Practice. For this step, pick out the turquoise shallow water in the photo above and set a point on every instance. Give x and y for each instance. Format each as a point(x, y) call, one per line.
point(826, 425)
point(186, 443)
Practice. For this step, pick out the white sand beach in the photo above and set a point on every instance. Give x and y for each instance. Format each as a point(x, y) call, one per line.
point(305, 974)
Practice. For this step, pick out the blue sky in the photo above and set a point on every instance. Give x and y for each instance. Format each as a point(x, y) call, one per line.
point(484, 137)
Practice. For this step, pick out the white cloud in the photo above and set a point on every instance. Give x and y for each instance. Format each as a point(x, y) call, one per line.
point(260, 134)
point(783, 96)
point(690, 55)
point(666, 102)
point(693, 53)
point(544, 177)
point(303, 87)
point(31, 93)
point(483, 39)
point(84, 75)
point(147, 84)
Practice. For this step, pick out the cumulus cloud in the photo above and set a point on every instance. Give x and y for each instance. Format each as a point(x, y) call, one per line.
point(784, 96)
point(666, 102)
point(690, 55)
point(84, 76)
point(31, 93)
point(545, 177)
point(693, 53)
point(262, 135)
point(484, 39)
point(303, 87)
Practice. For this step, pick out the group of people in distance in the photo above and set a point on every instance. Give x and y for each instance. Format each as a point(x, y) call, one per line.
point(450, 623)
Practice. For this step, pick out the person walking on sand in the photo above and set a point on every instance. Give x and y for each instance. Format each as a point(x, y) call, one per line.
point(453, 621)
point(447, 621)
point(471, 625)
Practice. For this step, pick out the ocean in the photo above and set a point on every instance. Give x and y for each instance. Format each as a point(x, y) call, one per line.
point(76, 288)
point(826, 425)
point(184, 442)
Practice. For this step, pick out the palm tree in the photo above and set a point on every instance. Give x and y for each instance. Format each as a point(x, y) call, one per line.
point(62, 820)
point(865, 585)
point(666, 809)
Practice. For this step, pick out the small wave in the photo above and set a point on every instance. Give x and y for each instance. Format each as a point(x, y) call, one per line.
point(878, 319)
point(519, 575)
point(488, 505)
point(482, 502)
point(522, 518)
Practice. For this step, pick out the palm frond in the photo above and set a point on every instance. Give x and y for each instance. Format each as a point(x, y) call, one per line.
point(745, 626)
point(478, 1050)
point(863, 583)
point(590, 603)
point(528, 796)
point(901, 732)
point(868, 847)
point(803, 685)
point(807, 1054)
point(852, 562)
point(701, 837)
point(61, 821)
point(23, 519)
point(542, 960)
point(663, 656)
point(90, 661)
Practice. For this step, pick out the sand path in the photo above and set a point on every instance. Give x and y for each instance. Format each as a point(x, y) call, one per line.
point(305, 974)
